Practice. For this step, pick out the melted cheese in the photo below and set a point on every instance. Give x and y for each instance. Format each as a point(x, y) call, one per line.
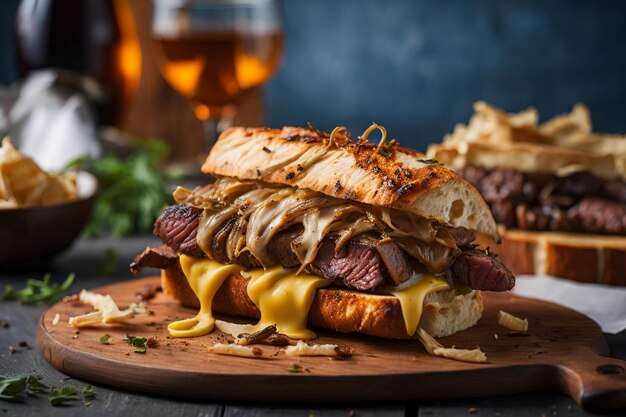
point(205, 277)
point(282, 296)
point(284, 299)
point(412, 299)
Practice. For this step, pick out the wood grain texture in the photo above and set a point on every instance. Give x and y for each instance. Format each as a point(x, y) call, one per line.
point(391, 410)
point(560, 353)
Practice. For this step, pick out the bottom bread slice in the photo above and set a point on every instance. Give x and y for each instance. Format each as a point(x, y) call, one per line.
point(579, 257)
point(343, 310)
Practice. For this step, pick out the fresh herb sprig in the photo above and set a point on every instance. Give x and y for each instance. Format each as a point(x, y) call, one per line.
point(139, 343)
point(37, 291)
point(15, 388)
point(295, 369)
point(89, 393)
point(63, 395)
point(132, 189)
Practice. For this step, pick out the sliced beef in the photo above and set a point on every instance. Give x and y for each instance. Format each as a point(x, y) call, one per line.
point(436, 258)
point(579, 185)
point(177, 228)
point(462, 236)
point(362, 263)
point(599, 215)
point(280, 247)
point(161, 257)
point(580, 202)
point(397, 262)
point(480, 270)
point(356, 264)
point(615, 189)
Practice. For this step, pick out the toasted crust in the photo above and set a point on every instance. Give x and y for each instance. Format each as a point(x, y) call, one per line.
point(343, 310)
point(579, 257)
point(350, 170)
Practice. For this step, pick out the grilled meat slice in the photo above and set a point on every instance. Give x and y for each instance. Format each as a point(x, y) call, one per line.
point(177, 227)
point(396, 260)
point(363, 263)
point(480, 270)
point(161, 257)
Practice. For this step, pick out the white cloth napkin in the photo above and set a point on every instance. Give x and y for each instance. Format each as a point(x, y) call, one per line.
point(50, 123)
point(606, 305)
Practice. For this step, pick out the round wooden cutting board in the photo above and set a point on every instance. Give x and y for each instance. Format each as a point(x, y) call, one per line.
point(562, 351)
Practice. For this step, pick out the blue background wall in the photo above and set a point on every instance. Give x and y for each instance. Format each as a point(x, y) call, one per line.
point(417, 66)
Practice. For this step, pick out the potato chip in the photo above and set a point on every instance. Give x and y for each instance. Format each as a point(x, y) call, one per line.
point(23, 183)
point(494, 139)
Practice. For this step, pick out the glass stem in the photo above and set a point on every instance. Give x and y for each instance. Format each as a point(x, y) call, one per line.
point(218, 120)
point(211, 132)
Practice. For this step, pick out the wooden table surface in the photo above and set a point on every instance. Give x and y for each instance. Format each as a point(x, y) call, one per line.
point(86, 259)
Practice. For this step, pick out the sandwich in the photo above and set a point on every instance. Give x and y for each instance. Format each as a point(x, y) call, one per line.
point(556, 189)
point(306, 230)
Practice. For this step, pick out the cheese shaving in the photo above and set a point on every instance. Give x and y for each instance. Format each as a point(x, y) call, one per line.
point(463, 355)
point(232, 349)
point(107, 310)
point(234, 329)
point(304, 349)
point(511, 322)
point(435, 348)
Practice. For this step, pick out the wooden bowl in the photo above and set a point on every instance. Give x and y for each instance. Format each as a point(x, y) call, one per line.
point(35, 234)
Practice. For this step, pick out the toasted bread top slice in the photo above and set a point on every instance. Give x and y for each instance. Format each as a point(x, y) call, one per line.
point(393, 176)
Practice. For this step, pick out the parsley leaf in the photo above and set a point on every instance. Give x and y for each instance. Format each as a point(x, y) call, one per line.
point(385, 152)
point(60, 396)
point(11, 389)
point(89, 393)
point(295, 369)
point(37, 292)
point(429, 161)
point(104, 339)
point(35, 385)
point(14, 388)
point(139, 343)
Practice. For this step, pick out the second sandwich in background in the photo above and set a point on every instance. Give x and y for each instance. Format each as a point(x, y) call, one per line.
point(556, 189)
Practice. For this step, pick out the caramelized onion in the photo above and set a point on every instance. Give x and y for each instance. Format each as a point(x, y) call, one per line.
point(260, 211)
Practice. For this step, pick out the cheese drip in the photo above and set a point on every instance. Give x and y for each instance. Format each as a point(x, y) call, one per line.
point(284, 299)
point(412, 299)
point(205, 277)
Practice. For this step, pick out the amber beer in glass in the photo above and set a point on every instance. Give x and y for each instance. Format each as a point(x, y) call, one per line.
point(214, 52)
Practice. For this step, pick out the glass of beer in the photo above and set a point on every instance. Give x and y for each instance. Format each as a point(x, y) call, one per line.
point(213, 52)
